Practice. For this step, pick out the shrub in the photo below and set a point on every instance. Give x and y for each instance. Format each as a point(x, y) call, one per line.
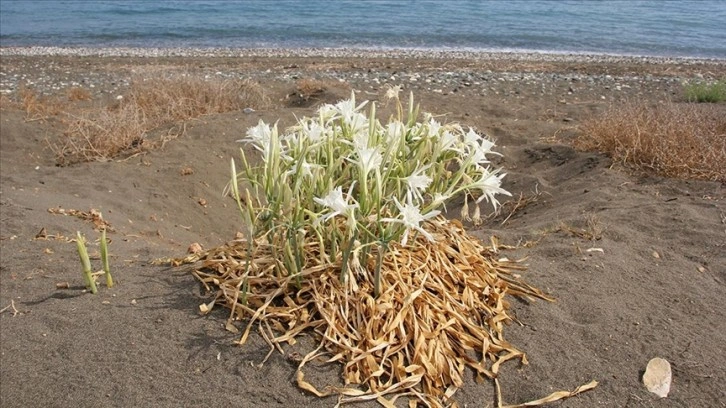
point(150, 104)
point(705, 92)
point(673, 140)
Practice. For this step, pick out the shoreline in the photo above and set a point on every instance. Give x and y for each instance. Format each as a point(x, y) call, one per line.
point(343, 52)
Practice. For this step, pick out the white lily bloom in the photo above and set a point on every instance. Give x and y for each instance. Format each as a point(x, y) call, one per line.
point(327, 112)
point(358, 123)
point(434, 128)
point(479, 147)
point(368, 159)
point(392, 92)
point(347, 108)
point(440, 199)
point(259, 136)
point(334, 200)
point(394, 133)
point(490, 184)
point(314, 131)
point(306, 168)
point(412, 218)
point(418, 182)
point(447, 141)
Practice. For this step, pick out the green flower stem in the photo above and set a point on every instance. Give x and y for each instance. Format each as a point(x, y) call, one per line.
point(377, 274)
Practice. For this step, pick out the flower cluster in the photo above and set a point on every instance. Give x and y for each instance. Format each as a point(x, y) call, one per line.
point(348, 181)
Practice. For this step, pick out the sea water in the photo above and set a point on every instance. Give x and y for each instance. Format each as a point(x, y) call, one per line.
point(646, 27)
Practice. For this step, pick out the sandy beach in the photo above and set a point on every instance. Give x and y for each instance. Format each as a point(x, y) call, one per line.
point(637, 262)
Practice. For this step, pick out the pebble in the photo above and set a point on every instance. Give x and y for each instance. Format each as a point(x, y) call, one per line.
point(657, 377)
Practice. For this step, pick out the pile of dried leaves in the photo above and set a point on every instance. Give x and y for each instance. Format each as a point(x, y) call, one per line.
point(442, 308)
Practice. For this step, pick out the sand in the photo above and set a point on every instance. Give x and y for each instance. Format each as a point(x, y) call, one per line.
point(651, 283)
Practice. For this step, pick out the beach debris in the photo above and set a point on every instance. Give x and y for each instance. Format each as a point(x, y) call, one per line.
point(62, 285)
point(92, 215)
point(186, 171)
point(42, 234)
point(194, 248)
point(656, 255)
point(657, 377)
point(202, 201)
point(10, 306)
point(555, 396)
point(602, 251)
point(248, 110)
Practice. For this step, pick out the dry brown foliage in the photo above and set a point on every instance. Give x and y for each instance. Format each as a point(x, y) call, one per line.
point(310, 91)
point(78, 94)
point(674, 140)
point(151, 103)
point(308, 88)
point(442, 308)
point(182, 96)
point(39, 107)
point(6, 102)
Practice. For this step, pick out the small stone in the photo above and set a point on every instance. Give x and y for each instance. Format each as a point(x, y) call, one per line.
point(656, 255)
point(657, 377)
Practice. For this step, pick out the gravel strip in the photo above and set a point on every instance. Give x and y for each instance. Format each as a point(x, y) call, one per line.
point(346, 53)
point(108, 72)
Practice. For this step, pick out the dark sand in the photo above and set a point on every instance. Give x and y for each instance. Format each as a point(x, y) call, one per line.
point(656, 289)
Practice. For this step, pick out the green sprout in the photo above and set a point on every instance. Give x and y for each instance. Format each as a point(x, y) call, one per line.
point(85, 263)
point(104, 259)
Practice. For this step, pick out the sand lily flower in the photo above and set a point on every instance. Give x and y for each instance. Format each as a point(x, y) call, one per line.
point(306, 169)
point(417, 183)
point(393, 91)
point(368, 159)
point(259, 136)
point(339, 205)
point(479, 147)
point(412, 218)
point(490, 184)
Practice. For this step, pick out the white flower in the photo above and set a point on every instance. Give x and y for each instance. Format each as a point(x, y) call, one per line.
point(393, 91)
point(259, 136)
point(434, 127)
point(489, 183)
point(412, 218)
point(368, 159)
point(447, 141)
point(306, 168)
point(347, 109)
point(358, 123)
point(418, 182)
point(327, 112)
point(479, 147)
point(314, 131)
point(334, 201)
point(395, 132)
point(440, 199)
